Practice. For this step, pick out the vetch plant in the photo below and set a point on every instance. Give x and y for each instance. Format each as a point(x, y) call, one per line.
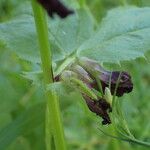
point(69, 51)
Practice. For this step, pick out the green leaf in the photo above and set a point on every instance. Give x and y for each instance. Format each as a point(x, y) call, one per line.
point(68, 34)
point(124, 35)
point(19, 36)
point(25, 123)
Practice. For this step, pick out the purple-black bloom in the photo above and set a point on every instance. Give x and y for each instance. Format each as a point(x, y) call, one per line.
point(119, 80)
point(90, 73)
point(55, 6)
point(100, 107)
point(125, 84)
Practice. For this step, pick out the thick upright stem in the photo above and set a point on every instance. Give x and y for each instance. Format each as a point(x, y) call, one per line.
point(54, 127)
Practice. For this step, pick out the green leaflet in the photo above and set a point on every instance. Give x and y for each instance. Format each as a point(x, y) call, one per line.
point(68, 34)
point(124, 34)
point(19, 35)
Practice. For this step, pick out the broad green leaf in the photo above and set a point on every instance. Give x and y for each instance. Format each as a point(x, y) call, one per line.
point(68, 34)
point(23, 124)
point(124, 35)
point(19, 36)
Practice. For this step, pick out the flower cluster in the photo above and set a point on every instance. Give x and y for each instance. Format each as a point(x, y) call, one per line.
point(93, 76)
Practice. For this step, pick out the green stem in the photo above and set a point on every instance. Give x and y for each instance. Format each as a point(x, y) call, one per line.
point(57, 127)
point(48, 131)
point(146, 144)
point(64, 64)
point(54, 127)
point(82, 87)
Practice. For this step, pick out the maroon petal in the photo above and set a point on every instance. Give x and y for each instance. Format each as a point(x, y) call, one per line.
point(100, 107)
point(55, 6)
point(125, 84)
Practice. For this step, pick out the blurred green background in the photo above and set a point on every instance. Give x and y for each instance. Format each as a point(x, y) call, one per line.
point(18, 95)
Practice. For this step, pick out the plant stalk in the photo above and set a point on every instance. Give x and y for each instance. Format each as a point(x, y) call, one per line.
point(54, 127)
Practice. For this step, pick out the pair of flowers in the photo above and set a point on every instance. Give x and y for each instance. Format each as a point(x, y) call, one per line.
point(92, 79)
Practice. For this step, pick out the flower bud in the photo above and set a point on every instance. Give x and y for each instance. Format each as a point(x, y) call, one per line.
point(67, 75)
point(100, 108)
point(108, 96)
point(72, 79)
point(82, 74)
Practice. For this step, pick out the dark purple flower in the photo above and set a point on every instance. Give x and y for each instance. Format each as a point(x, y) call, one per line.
point(105, 77)
point(125, 84)
point(90, 72)
point(100, 107)
point(55, 6)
